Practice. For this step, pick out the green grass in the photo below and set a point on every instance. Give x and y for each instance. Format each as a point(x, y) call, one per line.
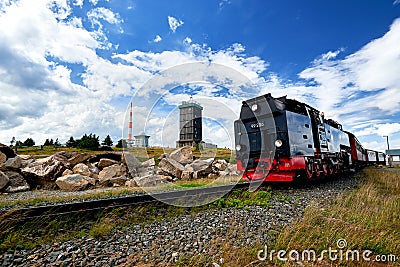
point(367, 218)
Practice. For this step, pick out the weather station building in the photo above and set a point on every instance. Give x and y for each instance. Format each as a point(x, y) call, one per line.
point(141, 140)
point(190, 123)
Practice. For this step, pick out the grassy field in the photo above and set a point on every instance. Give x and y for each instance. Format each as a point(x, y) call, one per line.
point(368, 218)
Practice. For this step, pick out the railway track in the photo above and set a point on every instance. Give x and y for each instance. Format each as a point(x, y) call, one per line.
point(196, 195)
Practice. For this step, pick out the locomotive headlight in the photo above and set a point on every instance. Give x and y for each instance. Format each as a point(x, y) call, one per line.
point(278, 143)
point(238, 147)
point(254, 107)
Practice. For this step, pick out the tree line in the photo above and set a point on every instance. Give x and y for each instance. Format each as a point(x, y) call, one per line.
point(91, 141)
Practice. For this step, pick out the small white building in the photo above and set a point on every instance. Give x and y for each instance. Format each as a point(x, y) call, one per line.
point(208, 145)
point(141, 140)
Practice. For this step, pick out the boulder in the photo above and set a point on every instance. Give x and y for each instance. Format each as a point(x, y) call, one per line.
point(151, 180)
point(187, 174)
point(81, 169)
point(45, 170)
point(74, 182)
point(3, 180)
point(106, 163)
point(172, 167)
point(25, 157)
point(219, 165)
point(26, 160)
point(130, 183)
point(117, 156)
point(146, 168)
point(182, 155)
point(163, 155)
point(132, 163)
point(231, 169)
point(14, 163)
point(213, 176)
point(79, 158)
point(17, 183)
point(93, 169)
point(201, 165)
point(3, 158)
point(67, 172)
point(6, 150)
point(201, 168)
point(110, 172)
point(120, 180)
point(148, 163)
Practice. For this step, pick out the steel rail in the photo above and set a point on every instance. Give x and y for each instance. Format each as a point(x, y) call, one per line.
point(195, 194)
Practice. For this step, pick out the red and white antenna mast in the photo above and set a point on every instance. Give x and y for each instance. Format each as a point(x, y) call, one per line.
point(130, 124)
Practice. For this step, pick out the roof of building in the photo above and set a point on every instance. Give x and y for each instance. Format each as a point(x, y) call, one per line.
point(393, 152)
point(141, 135)
point(190, 103)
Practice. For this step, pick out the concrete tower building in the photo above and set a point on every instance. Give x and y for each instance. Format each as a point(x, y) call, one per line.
point(190, 123)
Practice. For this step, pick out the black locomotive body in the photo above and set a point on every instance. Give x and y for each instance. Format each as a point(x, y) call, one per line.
point(279, 139)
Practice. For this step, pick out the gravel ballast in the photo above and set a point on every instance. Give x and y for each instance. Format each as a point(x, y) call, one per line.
point(201, 234)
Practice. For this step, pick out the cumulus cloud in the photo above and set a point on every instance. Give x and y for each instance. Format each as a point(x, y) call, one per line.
point(174, 23)
point(157, 39)
point(38, 41)
point(105, 14)
point(41, 39)
point(78, 3)
point(361, 88)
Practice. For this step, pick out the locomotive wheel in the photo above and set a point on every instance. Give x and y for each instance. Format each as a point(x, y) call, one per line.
point(331, 169)
point(325, 169)
point(309, 168)
point(317, 169)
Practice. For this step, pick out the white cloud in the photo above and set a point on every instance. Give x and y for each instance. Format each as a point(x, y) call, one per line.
point(223, 3)
point(396, 2)
point(157, 39)
point(380, 129)
point(101, 13)
point(187, 41)
point(78, 3)
point(38, 99)
point(360, 89)
point(40, 39)
point(174, 23)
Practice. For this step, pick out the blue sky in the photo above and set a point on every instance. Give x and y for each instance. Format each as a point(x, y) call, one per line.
point(72, 67)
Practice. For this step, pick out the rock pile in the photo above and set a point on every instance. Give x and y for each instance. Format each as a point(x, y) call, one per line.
point(181, 165)
point(11, 179)
point(72, 171)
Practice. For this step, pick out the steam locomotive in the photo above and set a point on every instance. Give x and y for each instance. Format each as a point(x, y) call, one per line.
point(281, 140)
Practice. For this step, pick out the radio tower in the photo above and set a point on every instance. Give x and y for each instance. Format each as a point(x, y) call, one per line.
point(130, 125)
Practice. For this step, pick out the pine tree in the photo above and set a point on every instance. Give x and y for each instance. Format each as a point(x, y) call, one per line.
point(46, 143)
point(29, 142)
point(71, 142)
point(107, 141)
point(90, 141)
point(57, 143)
point(119, 143)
